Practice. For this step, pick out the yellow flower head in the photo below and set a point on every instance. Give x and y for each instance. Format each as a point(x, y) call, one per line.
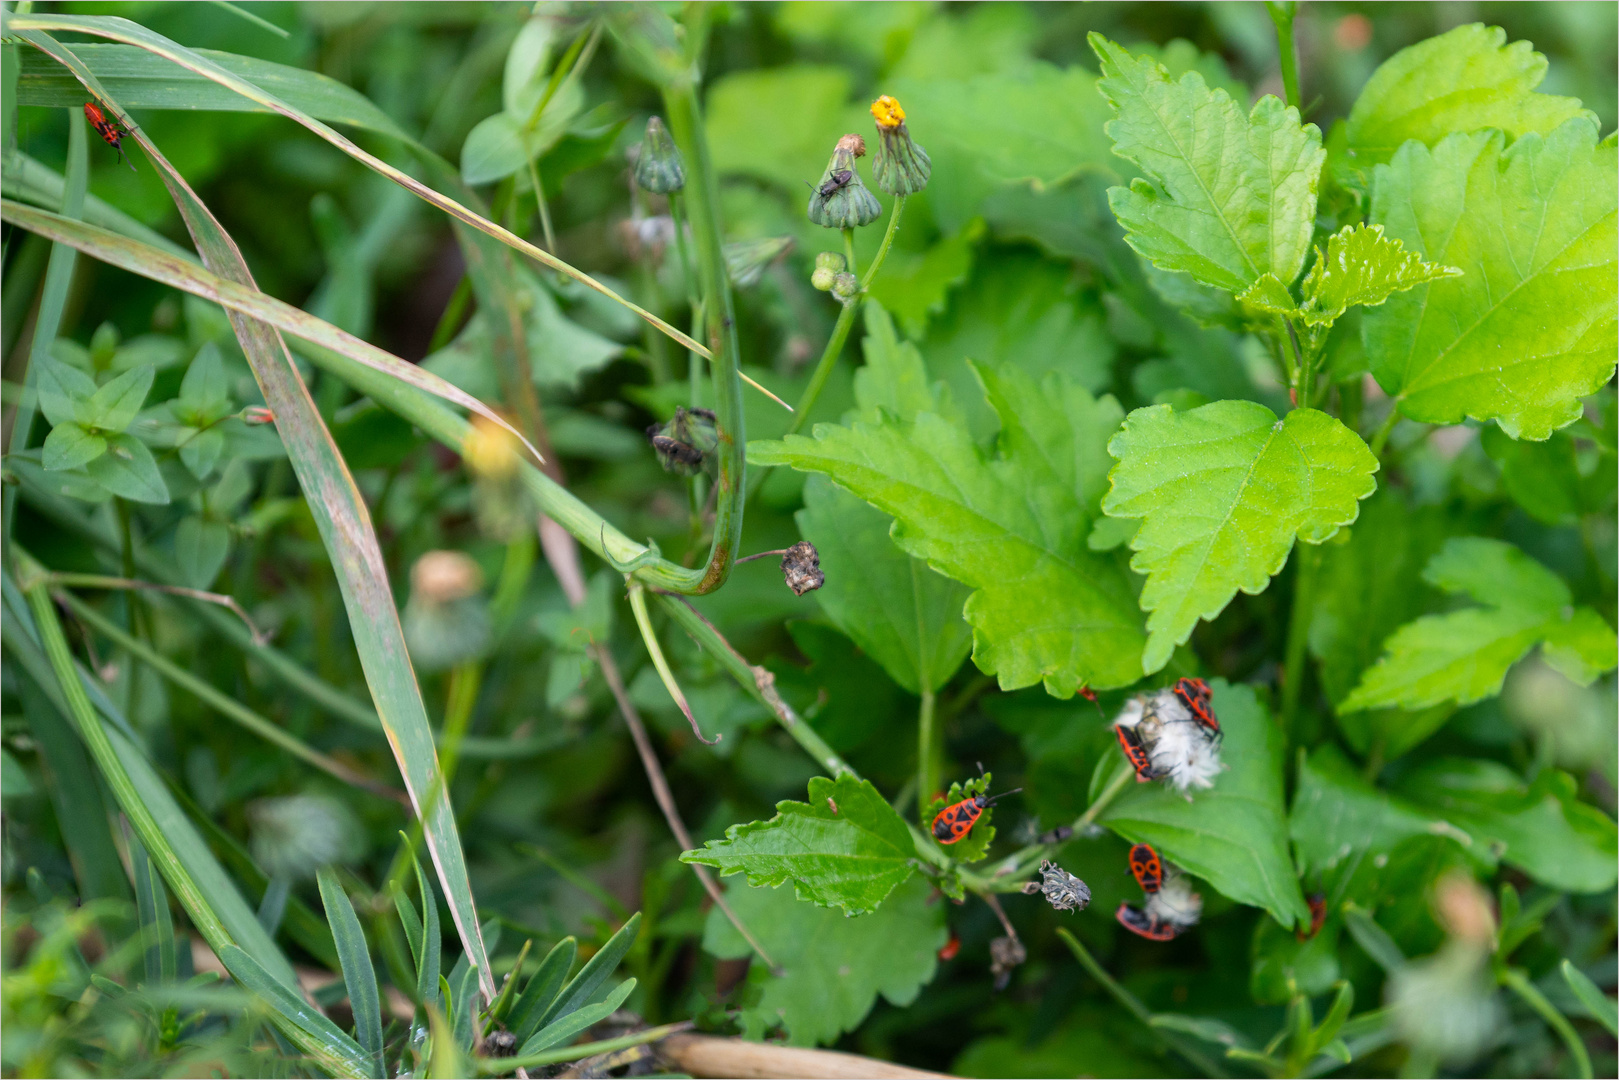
point(886, 111)
point(490, 450)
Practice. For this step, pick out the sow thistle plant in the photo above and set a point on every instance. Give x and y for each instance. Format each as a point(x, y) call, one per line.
point(1440, 263)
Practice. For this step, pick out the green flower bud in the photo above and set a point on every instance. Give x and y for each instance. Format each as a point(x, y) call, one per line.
point(901, 167)
point(823, 278)
point(830, 260)
point(841, 200)
point(845, 287)
point(659, 167)
point(746, 260)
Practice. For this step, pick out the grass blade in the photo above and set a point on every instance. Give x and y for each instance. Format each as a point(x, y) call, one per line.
point(502, 1066)
point(222, 703)
point(340, 514)
point(157, 927)
point(429, 957)
point(542, 989)
point(212, 901)
point(595, 971)
point(359, 977)
point(123, 30)
point(238, 297)
point(1603, 1009)
point(318, 1036)
point(140, 80)
point(561, 1030)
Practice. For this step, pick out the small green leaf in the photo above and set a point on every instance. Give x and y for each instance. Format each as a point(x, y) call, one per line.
point(324, 1040)
point(596, 970)
point(846, 847)
point(1599, 1006)
point(1362, 266)
point(976, 845)
point(1529, 327)
point(504, 143)
point(1463, 656)
point(359, 977)
point(113, 407)
point(904, 615)
point(1462, 80)
point(1282, 964)
point(1233, 836)
point(205, 390)
point(1269, 295)
point(64, 391)
point(429, 956)
point(1227, 197)
point(69, 446)
point(831, 968)
point(128, 470)
point(542, 988)
point(1373, 939)
point(562, 1029)
point(1013, 528)
point(1223, 491)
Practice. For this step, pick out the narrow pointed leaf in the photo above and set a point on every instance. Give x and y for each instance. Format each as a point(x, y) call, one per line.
point(561, 1030)
point(542, 988)
point(595, 971)
point(359, 977)
point(320, 1038)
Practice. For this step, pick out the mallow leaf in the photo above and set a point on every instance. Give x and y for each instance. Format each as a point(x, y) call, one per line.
point(831, 968)
point(1227, 196)
point(904, 615)
point(1462, 80)
point(1223, 490)
point(1529, 327)
point(1233, 836)
point(846, 847)
point(1463, 656)
point(1013, 527)
point(1363, 266)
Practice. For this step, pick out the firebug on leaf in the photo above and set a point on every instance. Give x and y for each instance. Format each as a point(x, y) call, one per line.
point(108, 130)
point(1146, 867)
point(952, 824)
point(1140, 923)
point(1196, 696)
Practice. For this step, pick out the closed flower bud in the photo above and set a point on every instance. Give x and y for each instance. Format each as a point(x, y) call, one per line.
point(257, 414)
point(830, 260)
point(823, 278)
point(845, 287)
point(446, 621)
point(659, 167)
point(900, 167)
point(841, 200)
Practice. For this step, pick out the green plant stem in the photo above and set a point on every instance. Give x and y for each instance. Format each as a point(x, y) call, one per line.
point(925, 750)
point(694, 363)
point(1282, 15)
point(719, 317)
point(888, 242)
point(649, 637)
point(1132, 1004)
point(1381, 438)
point(558, 1055)
point(1298, 634)
point(539, 201)
point(1515, 980)
point(1305, 361)
point(221, 703)
point(848, 254)
point(1020, 864)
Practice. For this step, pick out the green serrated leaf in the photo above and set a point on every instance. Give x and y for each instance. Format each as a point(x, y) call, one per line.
point(1234, 836)
point(1362, 266)
point(846, 847)
point(904, 615)
point(69, 446)
point(1462, 80)
point(1529, 327)
point(831, 968)
point(1463, 656)
point(1269, 295)
point(1223, 491)
point(1228, 197)
point(1045, 608)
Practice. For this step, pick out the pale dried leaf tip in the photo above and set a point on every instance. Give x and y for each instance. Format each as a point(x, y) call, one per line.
point(801, 568)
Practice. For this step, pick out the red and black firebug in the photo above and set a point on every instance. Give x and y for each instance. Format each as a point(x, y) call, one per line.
point(1196, 696)
point(108, 130)
point(952, 824)
point(1139, 922)
point(1130, 743)
point(1147, 868)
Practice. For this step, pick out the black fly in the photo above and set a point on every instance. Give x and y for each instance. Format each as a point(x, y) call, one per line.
point(839, 179)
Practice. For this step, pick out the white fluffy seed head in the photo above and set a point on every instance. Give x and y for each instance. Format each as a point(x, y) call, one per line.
point(1131, 714)
point(1182, 751)
point(1175, 902)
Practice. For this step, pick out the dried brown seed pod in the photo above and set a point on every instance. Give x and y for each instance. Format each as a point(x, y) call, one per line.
point(801, 568)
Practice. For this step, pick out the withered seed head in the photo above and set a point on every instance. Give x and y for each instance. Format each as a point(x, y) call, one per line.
point(801, 568)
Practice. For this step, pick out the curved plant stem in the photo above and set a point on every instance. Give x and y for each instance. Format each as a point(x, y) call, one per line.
point(719, 318)
point(1019, 865)
point(888, 242)
point(848, 253)
point(1515, 980)
point(101, 581)
point(650, 638)
point(1381, 438)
